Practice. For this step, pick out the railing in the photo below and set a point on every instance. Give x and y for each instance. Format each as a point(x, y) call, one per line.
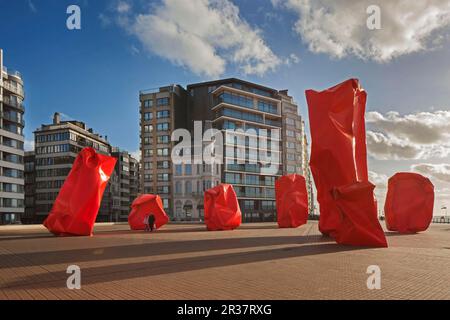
point(13, 103)
point(441, 219)
point(16, 90)
point(13, 118)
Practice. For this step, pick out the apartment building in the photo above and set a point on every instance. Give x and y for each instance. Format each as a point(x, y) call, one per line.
point(126, 177)
point(11, 145)
point(30, 187)
point(161, 111)
point(190, 181)
point(56, 147)
point(252, 118)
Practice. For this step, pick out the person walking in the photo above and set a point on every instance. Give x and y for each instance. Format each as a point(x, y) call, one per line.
point(151, 222)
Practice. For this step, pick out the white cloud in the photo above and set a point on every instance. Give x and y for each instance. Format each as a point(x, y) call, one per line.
point(439, 171)
point(338, 28)
point(29, 145)
point(378, 179)
point(136, 154)
point(203, 36)
point(32, 6)
point(422, 135)
point(123, 7)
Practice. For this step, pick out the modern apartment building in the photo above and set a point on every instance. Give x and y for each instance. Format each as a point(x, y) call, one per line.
point(252, 111)
point(127, 175)
point(56, 147)
point(30, 187)
point(263, 119)
point(11, 145)
point(162, 110)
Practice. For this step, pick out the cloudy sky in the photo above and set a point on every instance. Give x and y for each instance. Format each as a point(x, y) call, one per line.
point(94, 74)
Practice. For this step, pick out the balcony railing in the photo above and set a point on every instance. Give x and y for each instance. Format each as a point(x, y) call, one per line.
point(14, 118)
point(13, 103)
point(14, 89)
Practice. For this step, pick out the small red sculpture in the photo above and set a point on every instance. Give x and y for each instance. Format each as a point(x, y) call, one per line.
point(142, 207)
point(291, 201)
point(409, 203)
point(222, 210)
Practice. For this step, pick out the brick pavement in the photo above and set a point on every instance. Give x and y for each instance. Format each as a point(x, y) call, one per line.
point(256, 261)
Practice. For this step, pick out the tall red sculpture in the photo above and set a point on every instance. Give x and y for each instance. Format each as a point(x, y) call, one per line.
point(409, 203)
point(143, 206)
point(77, 204)
point(291, 201)
point(222, 210)
point(338, 156)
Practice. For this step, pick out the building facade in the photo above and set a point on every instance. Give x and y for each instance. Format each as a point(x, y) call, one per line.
point(12, 193)
point(126, 178)
point(161, 111)
point(252, 118)
point(56, 147)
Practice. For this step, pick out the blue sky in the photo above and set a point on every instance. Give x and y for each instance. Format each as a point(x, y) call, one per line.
point(94, 74)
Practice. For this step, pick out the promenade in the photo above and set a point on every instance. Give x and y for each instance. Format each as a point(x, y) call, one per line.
point(256, 261)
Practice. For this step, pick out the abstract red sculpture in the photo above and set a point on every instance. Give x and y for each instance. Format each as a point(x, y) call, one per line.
point(77, 204)
point(339, 156)
point(143, 206)
point(291, 201)
point(409, 203)
point(359, 224)
point(222, 210)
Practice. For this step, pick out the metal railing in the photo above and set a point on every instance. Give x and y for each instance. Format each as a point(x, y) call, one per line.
point(441, 219)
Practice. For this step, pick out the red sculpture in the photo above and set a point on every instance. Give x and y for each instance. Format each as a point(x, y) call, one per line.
point(143, 206)
point(409, 203)
point(359, 225)
point(291, 201)
point(338, 152)
point(76, 207)
point(222, 210)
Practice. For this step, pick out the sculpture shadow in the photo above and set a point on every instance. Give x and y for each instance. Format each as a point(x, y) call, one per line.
point(101, 274)
point(146, 249)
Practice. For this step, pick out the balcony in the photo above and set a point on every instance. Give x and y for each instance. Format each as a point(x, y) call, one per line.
point(13, 89)
point(11, 117)
point(8, 101)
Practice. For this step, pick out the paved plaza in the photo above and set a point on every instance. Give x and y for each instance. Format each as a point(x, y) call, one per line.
point(184, 261)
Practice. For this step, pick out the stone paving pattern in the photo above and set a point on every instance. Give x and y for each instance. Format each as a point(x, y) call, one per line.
point(256, 261)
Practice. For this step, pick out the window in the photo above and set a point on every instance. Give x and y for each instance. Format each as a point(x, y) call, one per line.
point(163, 139)
point(163, 177)
point(148, 103)
point(148, 152)
point(236, 99)
point(163, 189)
point(290, 133)
point(148, 177)
point(267, 107)
point(165, 203)
point(162, 101)
point(162, 126)
point(291, 156)
point(148, 116)
point(163, 152)
point(162, 164)
point(178, 187)
point(148, 128)
point(188, 187)
point(147, 140)
point(188, 169)
point(290, 145)
point(178, 169)
point(147, 165)
point(163, 114)
point(290, 169)
point(290, 121)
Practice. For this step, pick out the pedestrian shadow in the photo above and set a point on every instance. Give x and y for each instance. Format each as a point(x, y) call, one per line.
point(102, 274)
